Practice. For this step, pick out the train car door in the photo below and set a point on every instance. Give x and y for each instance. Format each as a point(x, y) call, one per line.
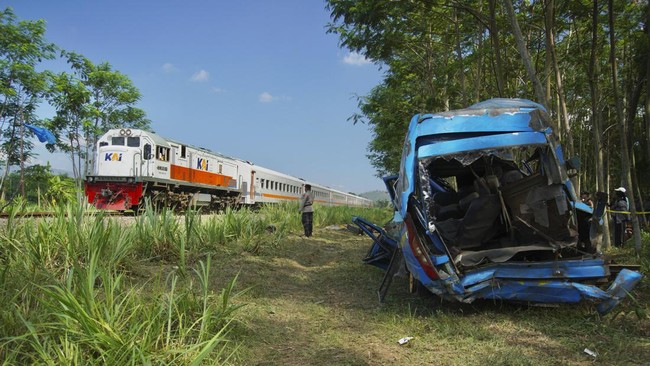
point(174, 154)
point(253, 186)
point(147, 158)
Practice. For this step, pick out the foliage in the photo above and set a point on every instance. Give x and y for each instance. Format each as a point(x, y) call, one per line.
point(42, 187)
point(89, 102)
point(61, 190)
point(446, 55)
point(22, 47)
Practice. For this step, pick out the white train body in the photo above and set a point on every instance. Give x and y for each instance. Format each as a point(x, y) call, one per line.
point(132, 164)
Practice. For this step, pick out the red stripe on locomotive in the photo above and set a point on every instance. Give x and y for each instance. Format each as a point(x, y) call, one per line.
point(113, 195)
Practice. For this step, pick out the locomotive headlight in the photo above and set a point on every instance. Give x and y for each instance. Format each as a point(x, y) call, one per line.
point(122, 132)
point(128, 132)
point(90, 179)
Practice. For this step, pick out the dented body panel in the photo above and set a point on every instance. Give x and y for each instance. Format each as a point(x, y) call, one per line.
point(484, 208)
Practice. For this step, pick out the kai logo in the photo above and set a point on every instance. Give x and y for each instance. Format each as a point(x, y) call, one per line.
point(113, 157)
point(202, 164)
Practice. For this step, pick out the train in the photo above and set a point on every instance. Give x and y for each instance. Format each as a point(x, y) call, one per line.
point(133, 165)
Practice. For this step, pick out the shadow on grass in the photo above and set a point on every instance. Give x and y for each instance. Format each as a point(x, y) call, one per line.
point(313, 301)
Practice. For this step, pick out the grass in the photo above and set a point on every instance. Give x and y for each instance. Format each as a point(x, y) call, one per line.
point(242, 288)
point(313, 302)
point(80, 289)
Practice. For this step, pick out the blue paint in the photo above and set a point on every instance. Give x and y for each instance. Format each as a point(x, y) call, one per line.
point(495, 125)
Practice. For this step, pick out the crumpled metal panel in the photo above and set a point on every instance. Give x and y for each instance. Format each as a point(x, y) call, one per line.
point(492, 128)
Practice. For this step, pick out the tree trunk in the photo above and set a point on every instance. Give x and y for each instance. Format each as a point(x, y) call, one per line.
point(635, 182)
point(563, 112)
point(525, 55)
point(548, 21)
point(459, 55)
point(596, 118)
point(625, 159)
point(647, 89)
point(479, 59)
point(22, 154)
point(494, 37)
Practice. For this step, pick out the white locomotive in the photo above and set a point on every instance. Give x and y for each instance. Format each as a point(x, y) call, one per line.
point(132, 164)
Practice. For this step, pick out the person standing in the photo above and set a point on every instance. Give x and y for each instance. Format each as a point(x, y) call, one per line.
point(620, 206)
point(307, 210)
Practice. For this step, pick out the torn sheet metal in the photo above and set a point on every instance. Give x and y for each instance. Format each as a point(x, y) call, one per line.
point(484, 209)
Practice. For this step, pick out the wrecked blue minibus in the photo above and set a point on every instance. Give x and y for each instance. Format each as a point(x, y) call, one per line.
point(485, 209)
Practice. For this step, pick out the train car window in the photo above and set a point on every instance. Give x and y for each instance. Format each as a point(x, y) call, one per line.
point(147, 151)
point(183, 151)
point(262, 183)
point(133, 141)
point(117, 141)
point(103, 143)
point(162, 153)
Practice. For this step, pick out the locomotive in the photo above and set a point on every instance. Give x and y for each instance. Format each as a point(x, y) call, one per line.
point(131, 165)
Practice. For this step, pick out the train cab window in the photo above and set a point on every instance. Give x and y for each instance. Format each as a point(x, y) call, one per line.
point(133, 141)
point(103, 143)
point(117, 141)
point(162, 153)
point(183, 151)
point(147, 152)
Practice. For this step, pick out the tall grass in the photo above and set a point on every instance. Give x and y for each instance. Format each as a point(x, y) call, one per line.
point(64, 297)
point(326, 215)
point(67, 295)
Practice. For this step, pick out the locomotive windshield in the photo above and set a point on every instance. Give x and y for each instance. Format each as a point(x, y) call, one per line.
point(133, 141)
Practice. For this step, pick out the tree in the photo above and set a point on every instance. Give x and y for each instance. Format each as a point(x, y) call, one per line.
point(89, 102)
point(70, 98)
point(22, 47)
point(625, 159)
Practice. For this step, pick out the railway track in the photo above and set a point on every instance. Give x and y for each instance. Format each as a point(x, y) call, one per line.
point(4, 215)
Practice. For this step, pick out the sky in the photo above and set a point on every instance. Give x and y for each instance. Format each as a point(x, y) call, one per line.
point(255, 79)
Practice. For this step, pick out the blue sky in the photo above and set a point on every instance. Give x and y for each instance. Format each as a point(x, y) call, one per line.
point(259, 80)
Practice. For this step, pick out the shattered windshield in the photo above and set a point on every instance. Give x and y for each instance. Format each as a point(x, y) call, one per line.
point(498, 204)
